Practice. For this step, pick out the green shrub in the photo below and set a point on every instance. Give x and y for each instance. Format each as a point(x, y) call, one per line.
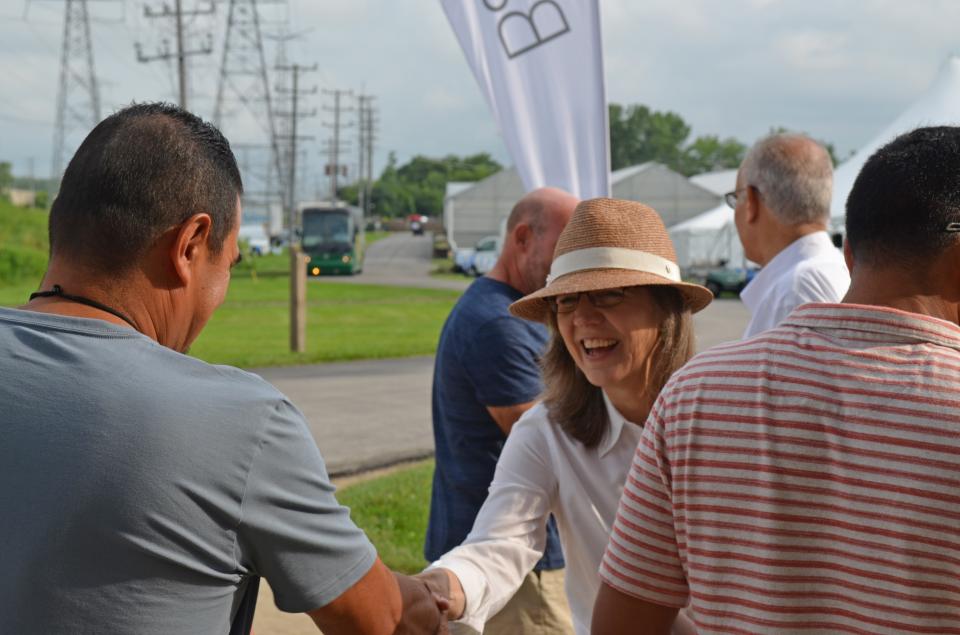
point(23, 244)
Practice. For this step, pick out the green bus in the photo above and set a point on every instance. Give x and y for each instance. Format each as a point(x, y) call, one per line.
point(332, 238)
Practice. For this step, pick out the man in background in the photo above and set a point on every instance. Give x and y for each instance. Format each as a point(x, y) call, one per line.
point(781, 209)
point(486, 375)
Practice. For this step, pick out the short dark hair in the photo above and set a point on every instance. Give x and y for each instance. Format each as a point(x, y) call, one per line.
point(904, 197)
point(141, 171)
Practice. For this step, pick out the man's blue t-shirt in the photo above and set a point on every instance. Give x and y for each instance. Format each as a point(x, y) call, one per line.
point(486, 357)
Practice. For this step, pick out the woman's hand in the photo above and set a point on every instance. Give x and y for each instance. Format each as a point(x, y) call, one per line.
point(444, 583)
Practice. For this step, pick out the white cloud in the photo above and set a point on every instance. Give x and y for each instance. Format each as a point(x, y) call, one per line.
point(812, 50)
point(840, 71)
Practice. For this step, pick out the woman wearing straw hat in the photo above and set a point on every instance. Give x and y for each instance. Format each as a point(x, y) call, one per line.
point(620, 322)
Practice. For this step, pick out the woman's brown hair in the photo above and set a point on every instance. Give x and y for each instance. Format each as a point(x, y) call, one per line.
point(577, 406)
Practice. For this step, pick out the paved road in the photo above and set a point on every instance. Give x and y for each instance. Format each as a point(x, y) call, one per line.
point(373, 413)
point(403, 260)
point(363, 414)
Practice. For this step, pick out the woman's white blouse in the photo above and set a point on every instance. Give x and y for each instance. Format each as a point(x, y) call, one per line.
point(543, 470)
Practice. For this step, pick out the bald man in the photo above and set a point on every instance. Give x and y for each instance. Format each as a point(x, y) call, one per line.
point(781, 209)
point(486, 376)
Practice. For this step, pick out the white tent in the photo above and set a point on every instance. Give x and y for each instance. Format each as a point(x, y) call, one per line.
point(719, 182)
point(707, 239)
point(475, 210)
point(711, 237)
point(938, 106)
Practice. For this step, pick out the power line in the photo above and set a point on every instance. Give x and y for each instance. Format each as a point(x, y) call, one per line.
point(333, 168)
point(181, 54)
point(365, 138)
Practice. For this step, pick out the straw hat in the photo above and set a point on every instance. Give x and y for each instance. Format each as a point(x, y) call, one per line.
point(611, 243)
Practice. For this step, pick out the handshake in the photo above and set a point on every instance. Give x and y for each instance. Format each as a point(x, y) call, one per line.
point(430, 599)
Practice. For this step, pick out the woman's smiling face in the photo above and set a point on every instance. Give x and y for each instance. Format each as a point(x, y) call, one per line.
point(612, 345)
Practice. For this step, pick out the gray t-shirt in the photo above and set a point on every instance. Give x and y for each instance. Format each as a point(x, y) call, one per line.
point(141, 489)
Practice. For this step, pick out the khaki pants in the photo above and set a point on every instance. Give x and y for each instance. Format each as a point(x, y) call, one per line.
point(538, 608)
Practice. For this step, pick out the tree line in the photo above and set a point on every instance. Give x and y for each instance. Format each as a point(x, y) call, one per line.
point(637, 134)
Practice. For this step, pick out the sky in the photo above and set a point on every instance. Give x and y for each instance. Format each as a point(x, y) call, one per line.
point(838, 70)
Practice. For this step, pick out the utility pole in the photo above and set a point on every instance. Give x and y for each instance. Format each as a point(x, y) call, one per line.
point(282, 104)
point(294, 115)
point(333, 167)
point(78, 97)
point(298, 268)
point(181, 53)
point(370, 135)
point(363, 103)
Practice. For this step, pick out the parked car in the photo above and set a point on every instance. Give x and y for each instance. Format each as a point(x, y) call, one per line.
point(463, 259)
point(732, 279)
point(485, 256)
point(479, 259)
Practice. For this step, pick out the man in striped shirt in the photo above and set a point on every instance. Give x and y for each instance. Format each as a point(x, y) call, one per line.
point(808, 480)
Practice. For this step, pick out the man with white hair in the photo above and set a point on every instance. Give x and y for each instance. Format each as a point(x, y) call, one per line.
point(781, 208)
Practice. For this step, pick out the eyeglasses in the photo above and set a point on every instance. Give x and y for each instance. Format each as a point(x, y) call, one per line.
point(604, 299)
point(952, 228)
point(730, 198)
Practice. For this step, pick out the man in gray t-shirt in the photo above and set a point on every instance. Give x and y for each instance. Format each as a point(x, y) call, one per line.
point(144, 491)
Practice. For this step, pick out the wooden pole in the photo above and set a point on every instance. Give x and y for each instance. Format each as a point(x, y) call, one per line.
point(298, 300)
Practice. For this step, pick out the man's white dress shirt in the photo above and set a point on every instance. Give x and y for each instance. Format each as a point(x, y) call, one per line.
point(542, 470)
point(810, 269)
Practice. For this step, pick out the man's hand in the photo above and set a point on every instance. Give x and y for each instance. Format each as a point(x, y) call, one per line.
point(444, 583)
point(424, 608)
point(384, 603)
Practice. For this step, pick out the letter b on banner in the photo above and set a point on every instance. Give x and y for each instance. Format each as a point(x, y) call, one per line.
point(550, 105)
point(521, 32)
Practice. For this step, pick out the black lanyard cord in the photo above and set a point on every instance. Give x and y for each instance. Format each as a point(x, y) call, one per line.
point(79, 299)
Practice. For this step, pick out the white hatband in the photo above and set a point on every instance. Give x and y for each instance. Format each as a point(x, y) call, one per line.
point(613, 258)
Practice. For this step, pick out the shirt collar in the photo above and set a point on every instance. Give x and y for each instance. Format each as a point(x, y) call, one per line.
point(801, 249)
point(617, 423)
point(895, 323)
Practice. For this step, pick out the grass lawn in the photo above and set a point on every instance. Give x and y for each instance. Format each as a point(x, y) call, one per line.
point(344, 321)
point(393, 510)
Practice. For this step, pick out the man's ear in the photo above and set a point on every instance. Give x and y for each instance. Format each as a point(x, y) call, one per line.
point(190, 245)
point(522, 236)
point(848, 254)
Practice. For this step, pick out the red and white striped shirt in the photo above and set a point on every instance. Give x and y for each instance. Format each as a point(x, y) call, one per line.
point(804, 480)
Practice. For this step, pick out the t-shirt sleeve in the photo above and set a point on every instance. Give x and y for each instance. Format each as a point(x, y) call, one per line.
point(501, 361)
point(293, 532)
point(642, 557)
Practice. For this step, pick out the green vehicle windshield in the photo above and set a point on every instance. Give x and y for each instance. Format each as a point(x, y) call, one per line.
point(326, 229)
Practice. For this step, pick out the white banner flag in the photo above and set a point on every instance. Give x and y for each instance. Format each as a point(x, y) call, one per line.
point(540, 66)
